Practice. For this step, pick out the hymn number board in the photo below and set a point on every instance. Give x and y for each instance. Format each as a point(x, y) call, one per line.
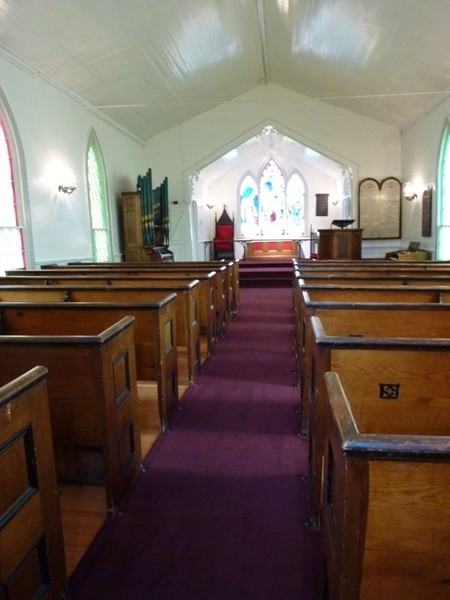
point(380, 208)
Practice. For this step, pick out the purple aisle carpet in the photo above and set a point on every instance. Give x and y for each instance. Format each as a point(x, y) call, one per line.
point(220, 512)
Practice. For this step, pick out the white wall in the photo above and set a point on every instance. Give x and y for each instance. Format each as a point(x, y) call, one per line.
point(420, 155)
point(374, 149)
point(54, 128)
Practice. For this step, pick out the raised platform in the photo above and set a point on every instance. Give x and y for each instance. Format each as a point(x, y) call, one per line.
point(266, 273)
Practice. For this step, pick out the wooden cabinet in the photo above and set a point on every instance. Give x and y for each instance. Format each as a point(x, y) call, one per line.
point(340, 244)
point(132, 228)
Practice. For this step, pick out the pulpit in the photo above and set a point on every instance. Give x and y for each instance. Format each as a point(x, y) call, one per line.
point(344, 244)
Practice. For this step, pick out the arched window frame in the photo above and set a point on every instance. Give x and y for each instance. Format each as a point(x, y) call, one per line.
point(257, 182)
point(443, 197)
point(98, 208)
point(242, 230)
point(296, 173)
point(18, 182)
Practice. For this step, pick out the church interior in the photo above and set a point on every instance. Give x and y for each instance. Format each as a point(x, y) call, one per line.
point(224, 235)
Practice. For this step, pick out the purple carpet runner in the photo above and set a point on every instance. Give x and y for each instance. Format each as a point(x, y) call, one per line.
point(220, 512)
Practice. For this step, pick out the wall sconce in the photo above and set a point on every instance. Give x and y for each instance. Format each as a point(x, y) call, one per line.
point(408, 192)
point(67, 189)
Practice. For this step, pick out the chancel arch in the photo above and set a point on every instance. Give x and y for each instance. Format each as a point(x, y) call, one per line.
point(233, 180)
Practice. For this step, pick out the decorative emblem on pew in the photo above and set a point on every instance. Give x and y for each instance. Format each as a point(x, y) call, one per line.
point(389, 391)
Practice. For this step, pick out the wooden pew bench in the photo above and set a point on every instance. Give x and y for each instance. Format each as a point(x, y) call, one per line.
point(154, 336)
point(217, 279)
point(386, 492)
point(368, 350)
point(32, 561)
point(310, 298)
point(206, 283)
point(92, 389)
point(379, 279)
point(186, 310)
point(232, 272)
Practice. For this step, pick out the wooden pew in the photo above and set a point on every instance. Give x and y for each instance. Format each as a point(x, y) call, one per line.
point(232, 272)
point(206, 283)
point(164, 270)
point(308, 298)
point(154, 336)
point(386, 494)
point(379, 347)
point(91, 388)
point(186, 310)
point(32, 561)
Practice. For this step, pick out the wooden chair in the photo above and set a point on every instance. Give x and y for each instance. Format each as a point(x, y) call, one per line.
point(223, 242)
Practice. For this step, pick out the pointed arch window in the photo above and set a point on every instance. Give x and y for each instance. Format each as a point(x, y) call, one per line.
point(272, 208)
point(443, 212)
point(98, 203)
point(12, 246)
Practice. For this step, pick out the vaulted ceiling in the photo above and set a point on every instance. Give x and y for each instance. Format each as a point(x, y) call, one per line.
point(152, 64)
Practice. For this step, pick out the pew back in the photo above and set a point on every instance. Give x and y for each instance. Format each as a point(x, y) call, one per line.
point(386, 503)
point(92, 392)
point(32, 561)
point(154, 335)
point(206, 284)
point(384, 368)
point(186, 309)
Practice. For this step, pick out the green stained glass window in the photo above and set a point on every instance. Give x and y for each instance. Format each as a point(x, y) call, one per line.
point(98, 204)
point(443, 213)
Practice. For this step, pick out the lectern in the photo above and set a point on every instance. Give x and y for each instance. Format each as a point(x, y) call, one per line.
point(344, 244)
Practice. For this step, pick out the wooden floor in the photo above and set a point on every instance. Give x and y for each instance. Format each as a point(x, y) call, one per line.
point(83, 508)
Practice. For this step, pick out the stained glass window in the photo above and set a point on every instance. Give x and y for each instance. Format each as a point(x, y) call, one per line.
point(12, 251)
point(443, 224)
point(272, 208)
point(98, 203)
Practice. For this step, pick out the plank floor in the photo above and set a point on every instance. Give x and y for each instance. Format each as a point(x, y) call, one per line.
point(83, 507)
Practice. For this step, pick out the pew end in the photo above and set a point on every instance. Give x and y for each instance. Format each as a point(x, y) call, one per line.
point(386, 506)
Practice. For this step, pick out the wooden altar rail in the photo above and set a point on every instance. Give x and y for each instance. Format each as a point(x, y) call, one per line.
point(31, 542)
point(92, 389)
point(386, 492)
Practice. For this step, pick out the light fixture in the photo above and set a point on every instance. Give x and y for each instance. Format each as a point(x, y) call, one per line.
point(67, 189)
point(408, 192)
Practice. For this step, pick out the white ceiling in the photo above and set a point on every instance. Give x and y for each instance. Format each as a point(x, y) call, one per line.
point(152, 64)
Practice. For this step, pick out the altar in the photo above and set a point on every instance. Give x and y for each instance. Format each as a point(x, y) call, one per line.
point(265, 249)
